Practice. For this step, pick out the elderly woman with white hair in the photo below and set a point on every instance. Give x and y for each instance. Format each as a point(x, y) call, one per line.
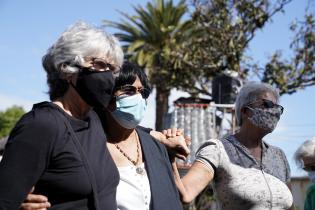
point(246, 172)
point(59, 146)
point(305, 158)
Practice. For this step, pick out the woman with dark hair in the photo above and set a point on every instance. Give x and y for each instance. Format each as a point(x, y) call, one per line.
point(146, 178)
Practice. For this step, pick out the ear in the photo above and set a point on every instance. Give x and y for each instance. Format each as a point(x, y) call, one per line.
point(71, 78)
point(245, 113)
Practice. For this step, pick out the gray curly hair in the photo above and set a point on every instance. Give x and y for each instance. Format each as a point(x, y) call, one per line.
point(307, 149)
point(251, 92)
point(79, 41)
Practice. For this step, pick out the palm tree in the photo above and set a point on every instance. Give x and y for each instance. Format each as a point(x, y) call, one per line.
point(149, 38)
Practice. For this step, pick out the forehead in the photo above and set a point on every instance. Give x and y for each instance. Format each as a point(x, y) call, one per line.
point(268, 96)
point(137, 83)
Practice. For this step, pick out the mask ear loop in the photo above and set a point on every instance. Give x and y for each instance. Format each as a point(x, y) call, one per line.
point(112, 104)
point(69, 71)
point(68, 68)
point(249, 108)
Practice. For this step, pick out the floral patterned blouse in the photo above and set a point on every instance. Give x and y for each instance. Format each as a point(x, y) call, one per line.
point(239, 184)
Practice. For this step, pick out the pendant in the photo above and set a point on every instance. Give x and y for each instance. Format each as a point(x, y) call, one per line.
point(140, 170)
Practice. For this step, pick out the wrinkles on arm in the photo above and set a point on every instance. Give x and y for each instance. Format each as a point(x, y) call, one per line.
point(196, 179)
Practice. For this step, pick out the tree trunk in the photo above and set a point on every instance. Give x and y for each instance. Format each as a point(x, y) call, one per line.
point(161, 102)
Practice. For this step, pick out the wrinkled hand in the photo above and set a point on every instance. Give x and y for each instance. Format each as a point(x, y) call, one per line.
point(175, 142)
point(35, 202)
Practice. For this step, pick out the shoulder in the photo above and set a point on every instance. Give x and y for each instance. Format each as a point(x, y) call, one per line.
point(145, 129)
point(150, 145)
point(227, 142)
point(212, 152)
point(277, 162)
point(40, 121)
point(148, 139)
point(40, 117)
point(36, 131)
point(276, 151)
point(210, 144)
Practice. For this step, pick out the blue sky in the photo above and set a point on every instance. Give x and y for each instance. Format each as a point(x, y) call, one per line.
point(28, 28)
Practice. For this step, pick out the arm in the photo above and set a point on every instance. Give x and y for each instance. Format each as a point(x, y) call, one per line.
point(209, 157)
point(196, 179)
point(24, 160)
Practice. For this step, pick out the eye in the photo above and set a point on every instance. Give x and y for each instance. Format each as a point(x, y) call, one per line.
point(268, 104)
point(145, 93)
point(129, 90)
point(101, 64)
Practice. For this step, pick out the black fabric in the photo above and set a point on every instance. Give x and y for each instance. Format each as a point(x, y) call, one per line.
point(85, 162)
point(164, 194)
point(40, 151)
point(95, 87)
point(145, 129)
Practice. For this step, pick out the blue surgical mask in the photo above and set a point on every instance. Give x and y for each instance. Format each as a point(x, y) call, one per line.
point(129, 110)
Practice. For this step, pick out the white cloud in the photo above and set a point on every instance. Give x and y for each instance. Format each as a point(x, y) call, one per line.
point(8, 101)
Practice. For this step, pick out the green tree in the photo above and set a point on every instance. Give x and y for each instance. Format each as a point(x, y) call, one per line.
point(149, 37)
point(8, 119)
point(188, 54)
point(298, 72)
point(223, 30)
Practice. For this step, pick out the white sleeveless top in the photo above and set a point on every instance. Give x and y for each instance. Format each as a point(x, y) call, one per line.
point(133, 191)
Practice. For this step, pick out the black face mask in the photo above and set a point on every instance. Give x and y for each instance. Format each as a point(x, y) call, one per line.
point(95, 87)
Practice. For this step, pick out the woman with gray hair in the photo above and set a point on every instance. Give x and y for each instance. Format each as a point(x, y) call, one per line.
point(59, 146)
point(305, 158)
point(246, 172)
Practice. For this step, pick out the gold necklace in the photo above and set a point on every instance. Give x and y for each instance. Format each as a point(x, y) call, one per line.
point(139, 169)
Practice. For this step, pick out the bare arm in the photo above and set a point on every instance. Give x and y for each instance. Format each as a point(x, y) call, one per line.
point(196, 179)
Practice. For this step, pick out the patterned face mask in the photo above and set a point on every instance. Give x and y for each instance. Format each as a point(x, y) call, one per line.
point(266, 119)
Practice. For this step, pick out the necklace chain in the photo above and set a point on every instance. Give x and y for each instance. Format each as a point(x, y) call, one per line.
point(134, 162)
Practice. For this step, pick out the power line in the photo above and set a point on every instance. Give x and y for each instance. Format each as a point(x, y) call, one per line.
point(300, 125)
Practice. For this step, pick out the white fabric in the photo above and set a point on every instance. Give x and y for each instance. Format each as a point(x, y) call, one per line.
point(239, 188)
point(133, 191)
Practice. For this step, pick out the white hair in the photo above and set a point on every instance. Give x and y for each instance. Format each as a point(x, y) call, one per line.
point(307, 149)
point(78, 42)
point(251, 92)
point(82, 40)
